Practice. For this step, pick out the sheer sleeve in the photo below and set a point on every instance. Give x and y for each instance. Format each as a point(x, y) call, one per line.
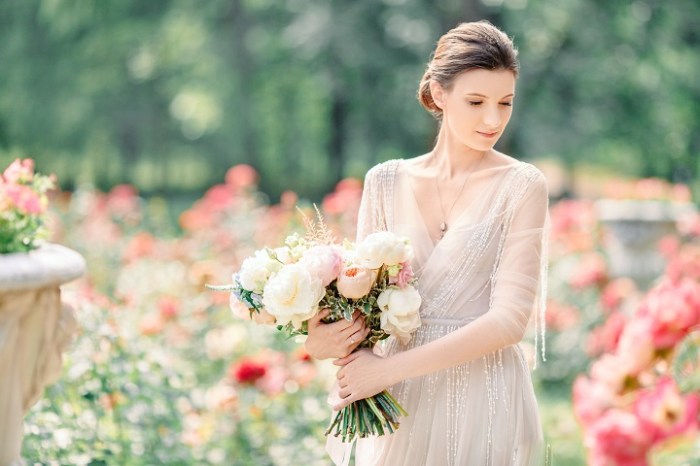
point(518, 288)
point(371, 217)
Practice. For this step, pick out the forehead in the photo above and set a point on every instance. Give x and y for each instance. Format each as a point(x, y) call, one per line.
point(497, 83)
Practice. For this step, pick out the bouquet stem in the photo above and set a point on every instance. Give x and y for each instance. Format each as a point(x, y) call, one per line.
point(376, 415)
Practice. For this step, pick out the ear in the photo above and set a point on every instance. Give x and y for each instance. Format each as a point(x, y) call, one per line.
point(438, 94)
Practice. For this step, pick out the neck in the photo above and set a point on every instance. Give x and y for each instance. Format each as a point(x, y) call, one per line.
point(452, 158)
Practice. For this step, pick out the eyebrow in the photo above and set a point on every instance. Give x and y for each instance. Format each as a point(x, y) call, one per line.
point(476, 94)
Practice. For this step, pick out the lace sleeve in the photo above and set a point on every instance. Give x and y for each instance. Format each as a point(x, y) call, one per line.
point(371, 217)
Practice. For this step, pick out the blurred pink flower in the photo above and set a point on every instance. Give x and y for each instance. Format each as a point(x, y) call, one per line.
point(615, 293)
point(19, 171)
point(346, 197)
point(123, 202)
point(169, 307)
point(636, 349)
point(591, 399)
point(25, 199)
point(151, 324)
point(610, 370)
point(604, 338)
point(241, 176)
point(619, 438)
point(665, 411)
point(591, 271)
point(673, 310)
point(572, 227)
point(142, 244)
point(685, 264)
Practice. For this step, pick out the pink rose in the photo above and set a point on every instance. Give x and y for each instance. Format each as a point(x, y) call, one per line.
point(619, 438)
point(611, 371)
point(666, 412)
point(25, 199)
point(636, 348)
point(403, 277)
point(605, 338)
point(592, 271)
point(355, 282)
point(19, 170)
point(673, 310)
point(591, 399)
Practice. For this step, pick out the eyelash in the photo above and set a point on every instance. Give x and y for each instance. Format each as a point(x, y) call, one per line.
point(475, 103)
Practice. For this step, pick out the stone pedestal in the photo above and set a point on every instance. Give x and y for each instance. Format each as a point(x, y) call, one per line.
point(634, 230)
point(35, 327)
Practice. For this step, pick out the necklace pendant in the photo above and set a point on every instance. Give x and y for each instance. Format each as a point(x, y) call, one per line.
point(443, 228)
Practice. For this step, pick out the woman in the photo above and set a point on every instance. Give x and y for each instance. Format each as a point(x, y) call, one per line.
point(476, 219)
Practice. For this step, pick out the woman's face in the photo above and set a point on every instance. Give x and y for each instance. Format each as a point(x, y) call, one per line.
point(478, 107)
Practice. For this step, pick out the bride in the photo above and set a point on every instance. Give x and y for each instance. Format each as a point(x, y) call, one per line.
point(476, 219)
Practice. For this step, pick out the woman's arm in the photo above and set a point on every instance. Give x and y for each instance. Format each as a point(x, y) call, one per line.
point(514, 295)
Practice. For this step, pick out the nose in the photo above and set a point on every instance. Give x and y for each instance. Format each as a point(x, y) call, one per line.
point(492, 117)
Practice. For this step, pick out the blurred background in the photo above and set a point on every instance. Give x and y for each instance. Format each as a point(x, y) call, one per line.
point(166, 95)
point(185, 133)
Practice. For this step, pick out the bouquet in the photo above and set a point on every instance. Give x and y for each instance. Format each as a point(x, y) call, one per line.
point(288, 285)
point(23, 204)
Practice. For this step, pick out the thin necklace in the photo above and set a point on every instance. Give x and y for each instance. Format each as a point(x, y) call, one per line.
point(443, 224)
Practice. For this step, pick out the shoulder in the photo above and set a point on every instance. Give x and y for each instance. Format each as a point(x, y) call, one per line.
point(522, 172)
point(381, 171)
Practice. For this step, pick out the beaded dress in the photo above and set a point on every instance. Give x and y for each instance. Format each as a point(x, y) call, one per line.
point(491, 264)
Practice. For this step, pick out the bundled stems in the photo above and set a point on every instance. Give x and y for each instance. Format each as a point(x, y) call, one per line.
point(376, 415)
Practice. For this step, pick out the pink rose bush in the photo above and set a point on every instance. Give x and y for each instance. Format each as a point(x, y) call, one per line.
point(630, 403)
point(289, 285)
point(23, 203)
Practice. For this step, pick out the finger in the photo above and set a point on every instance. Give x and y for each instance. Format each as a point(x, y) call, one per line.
point(316, 319)
point(346, 360)
point(350, 329)
point(357, 338)
point(344, 402)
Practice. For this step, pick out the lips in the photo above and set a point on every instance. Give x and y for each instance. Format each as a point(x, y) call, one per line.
point(488, 134)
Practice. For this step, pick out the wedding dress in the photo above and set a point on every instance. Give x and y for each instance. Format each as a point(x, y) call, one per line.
point(491, 265)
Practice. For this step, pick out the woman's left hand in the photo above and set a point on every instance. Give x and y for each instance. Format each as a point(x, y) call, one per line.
point(364, 374)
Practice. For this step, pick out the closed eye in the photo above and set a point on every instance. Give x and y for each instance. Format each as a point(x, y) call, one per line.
point(475, 102)
point(507, 104)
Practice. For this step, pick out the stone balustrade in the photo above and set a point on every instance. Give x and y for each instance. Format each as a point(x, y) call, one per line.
point(35, 327)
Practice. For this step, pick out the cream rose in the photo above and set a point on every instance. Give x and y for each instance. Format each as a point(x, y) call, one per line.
point(399, 315)
point(256, 270)
point(383, 247)
point(355, 282)
point(292, 295)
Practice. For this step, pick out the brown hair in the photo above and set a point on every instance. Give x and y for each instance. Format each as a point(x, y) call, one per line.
point(468, 46)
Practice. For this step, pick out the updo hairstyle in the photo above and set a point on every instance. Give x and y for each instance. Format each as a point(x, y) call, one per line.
point(477, 45)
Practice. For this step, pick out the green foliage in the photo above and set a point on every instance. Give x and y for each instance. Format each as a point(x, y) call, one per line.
point(166, 95)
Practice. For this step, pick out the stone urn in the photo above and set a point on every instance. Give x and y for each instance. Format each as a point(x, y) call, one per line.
point(35, 327)
point(634, 228)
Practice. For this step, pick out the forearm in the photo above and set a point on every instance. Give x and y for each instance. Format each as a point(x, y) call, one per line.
point(480, 337)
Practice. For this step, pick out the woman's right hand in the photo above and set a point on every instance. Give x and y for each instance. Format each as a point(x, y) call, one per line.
point(337, 339)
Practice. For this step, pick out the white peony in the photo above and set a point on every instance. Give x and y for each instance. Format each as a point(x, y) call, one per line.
point(293, 294)
point(324, 262)
point(399, 315)
point(256, 270)
point(382, 248)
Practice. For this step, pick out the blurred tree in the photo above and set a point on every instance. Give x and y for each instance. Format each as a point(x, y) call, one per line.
point(168, 94)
